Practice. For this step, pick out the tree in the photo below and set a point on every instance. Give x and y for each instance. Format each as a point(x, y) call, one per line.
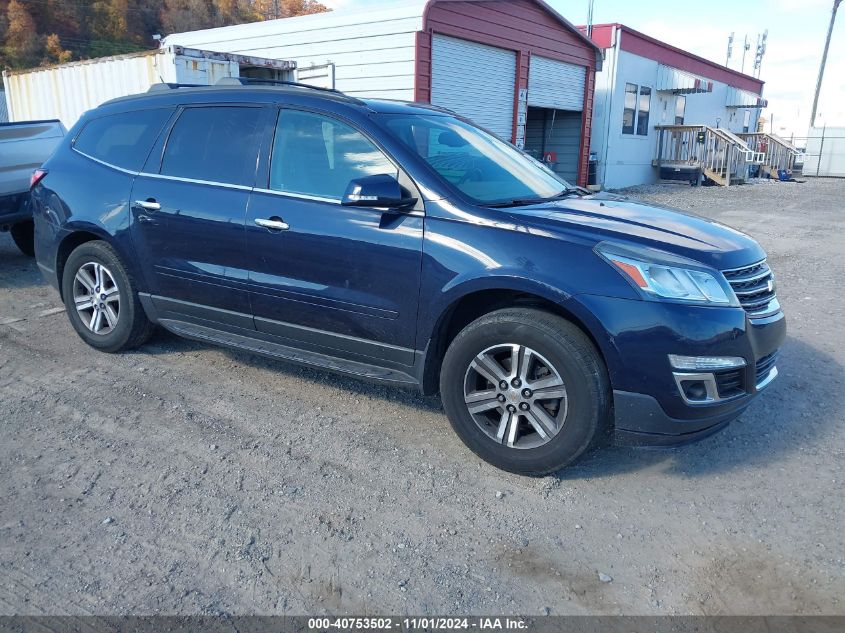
point(54, 51)
point(275, 9)
point(54, 31)
point(23, 44)
point(179, 16)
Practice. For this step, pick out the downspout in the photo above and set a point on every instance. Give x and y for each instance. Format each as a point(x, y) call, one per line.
point(617, 36)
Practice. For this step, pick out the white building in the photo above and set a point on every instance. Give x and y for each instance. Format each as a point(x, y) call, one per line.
point(646, 83)
point(517, 68)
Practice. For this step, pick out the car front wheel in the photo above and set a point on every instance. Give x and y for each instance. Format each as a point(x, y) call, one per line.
point(526, 390)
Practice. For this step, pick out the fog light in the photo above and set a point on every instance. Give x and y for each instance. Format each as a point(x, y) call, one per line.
point(697, 387)
point(695, 391)
point(705, 363)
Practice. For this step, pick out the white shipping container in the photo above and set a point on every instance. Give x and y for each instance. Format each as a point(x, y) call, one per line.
point(67, 91)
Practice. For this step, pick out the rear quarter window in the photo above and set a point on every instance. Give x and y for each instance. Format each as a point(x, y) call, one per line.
point(124, 139)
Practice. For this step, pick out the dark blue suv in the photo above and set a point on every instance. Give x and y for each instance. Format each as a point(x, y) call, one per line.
point(400, 243)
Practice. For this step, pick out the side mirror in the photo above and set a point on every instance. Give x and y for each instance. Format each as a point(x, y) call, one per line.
point(380, 191)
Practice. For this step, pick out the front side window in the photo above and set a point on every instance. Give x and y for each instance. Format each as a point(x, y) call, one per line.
point(215, 144)
point(680, 108)
point(479, 165)
point(124, 139)
point(319, 156)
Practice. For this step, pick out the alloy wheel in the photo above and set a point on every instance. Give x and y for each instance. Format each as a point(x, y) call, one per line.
point(515, 396)
point(96, 298)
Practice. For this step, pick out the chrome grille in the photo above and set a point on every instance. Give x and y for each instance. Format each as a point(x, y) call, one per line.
point(730, 383)
point(764, 366)
point(755, 288)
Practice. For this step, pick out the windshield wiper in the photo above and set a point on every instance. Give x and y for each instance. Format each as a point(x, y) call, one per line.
point(522, 202)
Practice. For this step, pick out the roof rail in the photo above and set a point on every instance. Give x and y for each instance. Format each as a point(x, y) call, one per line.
point(250, 81)
point(171, 86)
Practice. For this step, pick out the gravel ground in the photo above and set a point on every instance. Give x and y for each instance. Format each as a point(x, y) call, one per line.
point(183, 478)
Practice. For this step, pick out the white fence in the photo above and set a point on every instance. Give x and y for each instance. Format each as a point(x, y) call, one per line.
point(825, 153)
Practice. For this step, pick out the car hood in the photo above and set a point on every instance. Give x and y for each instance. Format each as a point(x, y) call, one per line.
point(608, 217)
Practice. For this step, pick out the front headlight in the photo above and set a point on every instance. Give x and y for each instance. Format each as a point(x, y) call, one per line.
point(671, 282)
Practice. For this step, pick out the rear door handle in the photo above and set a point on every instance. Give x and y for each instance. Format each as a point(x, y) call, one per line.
point(149, 204)
point(274, 223)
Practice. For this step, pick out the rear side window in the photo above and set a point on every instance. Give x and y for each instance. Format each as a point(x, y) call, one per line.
point(122, 139)
point(217, 144)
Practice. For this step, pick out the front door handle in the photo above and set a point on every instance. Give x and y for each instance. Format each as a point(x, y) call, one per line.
point(149, 204)
point(274, 224)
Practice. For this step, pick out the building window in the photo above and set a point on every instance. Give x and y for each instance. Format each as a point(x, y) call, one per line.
point(680, 108)
point(642, 114)
point(630, 112)
point(746, 123)
point(637, 106)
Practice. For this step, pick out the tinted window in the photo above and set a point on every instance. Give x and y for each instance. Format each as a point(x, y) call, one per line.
point(319, 156)
point(122, 139)
point(218, 144)
point(629, 112)
point(478, 164)
point(642, 115)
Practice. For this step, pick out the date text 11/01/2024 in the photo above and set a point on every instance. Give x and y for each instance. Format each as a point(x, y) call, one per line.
point(410, 624)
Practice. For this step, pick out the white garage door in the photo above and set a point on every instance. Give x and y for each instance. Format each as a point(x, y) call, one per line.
point(476, 81)
point(554, 84)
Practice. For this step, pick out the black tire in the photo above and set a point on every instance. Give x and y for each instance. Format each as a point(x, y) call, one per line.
point(585, 420)
point(132, 327)
point(23, 234)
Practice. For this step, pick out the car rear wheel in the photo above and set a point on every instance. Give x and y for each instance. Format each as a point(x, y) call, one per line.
point(526, 390)
point(101, 299)
point(23, 234)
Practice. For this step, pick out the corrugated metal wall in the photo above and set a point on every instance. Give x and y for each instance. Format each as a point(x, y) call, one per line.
point(4, 112)
point(555, 84)
point(66, 92)
point(476, 81)
point(372, 50)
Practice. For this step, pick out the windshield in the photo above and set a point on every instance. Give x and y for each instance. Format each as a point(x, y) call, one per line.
point(478, 164)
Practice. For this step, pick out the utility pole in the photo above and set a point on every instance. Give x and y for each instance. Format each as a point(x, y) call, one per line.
point(836, 4)
point(590, 18)
point(745, 48)
point(730, 49)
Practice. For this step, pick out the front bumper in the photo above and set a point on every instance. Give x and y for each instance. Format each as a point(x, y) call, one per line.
point(639, 336)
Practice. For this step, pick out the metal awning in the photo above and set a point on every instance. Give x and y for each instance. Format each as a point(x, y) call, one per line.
point(738, 98)
point(680, 82)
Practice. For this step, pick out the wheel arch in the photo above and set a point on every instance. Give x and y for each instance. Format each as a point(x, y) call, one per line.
point(466, 307)
point(80, 234)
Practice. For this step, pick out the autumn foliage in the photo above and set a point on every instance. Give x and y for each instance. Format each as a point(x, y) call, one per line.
point(35, 32)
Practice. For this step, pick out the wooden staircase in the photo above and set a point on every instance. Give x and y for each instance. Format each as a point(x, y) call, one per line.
point(719, 154)
point(775, 152)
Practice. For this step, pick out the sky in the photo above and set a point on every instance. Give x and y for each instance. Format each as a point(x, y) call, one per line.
point(797, 30)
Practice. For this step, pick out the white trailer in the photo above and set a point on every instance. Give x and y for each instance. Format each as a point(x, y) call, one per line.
point(66, 91)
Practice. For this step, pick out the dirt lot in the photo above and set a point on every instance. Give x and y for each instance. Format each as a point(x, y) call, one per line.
point(183, 478)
